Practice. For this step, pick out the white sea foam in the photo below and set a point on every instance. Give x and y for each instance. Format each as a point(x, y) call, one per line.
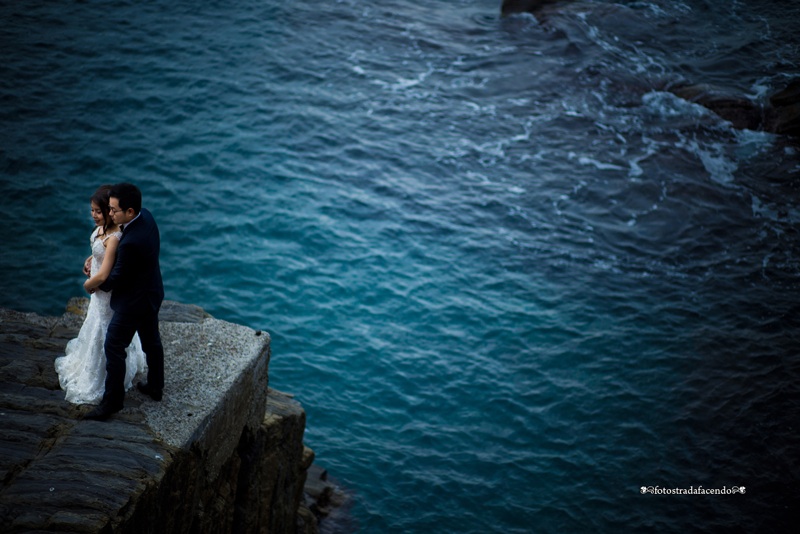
point(667, 104)
point(719, 166)
point(586, 160)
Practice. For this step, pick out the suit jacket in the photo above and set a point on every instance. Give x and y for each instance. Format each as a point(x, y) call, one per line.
point(135, 278)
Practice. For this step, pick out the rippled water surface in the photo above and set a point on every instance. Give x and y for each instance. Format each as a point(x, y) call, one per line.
point(510, 279)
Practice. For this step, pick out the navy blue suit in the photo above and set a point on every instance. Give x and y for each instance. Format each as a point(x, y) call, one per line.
point(136, 299)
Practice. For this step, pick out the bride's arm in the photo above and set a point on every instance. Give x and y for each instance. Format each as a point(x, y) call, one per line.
point(92, 283)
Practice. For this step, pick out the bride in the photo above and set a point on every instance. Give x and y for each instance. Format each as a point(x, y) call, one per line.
point(82, 371)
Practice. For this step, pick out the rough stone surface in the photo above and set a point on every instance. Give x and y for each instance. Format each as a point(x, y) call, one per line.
point(218, 454)
point(274, 479)
point(328, 503)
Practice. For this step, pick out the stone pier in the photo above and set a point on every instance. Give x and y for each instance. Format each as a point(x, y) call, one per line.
point(221, 453)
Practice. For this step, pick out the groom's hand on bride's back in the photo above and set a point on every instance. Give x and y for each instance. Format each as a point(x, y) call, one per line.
point(87, 266)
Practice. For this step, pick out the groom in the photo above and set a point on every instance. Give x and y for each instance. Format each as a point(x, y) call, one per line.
point(136, 298)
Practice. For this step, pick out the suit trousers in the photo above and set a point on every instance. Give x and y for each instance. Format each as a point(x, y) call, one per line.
point(119, 335)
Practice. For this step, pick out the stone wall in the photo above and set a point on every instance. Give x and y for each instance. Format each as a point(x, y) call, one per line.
point(221, 453)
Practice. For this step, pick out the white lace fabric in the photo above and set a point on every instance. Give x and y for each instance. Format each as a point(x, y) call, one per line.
point(82, 370)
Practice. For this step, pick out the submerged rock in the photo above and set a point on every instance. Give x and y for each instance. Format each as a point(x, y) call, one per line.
point(779, 115)
point(510, 7)
point(786, 105)
point(741, 112)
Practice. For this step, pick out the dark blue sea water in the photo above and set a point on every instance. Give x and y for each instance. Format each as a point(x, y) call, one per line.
point(510, 279)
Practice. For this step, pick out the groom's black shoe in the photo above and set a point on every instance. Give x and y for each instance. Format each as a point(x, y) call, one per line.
point(102, 412)
point(153, 393)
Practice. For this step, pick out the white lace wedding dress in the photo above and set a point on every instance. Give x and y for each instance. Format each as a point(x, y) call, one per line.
point(82, 371)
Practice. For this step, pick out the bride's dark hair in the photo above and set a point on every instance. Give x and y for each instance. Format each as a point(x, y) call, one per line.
point(100, 197)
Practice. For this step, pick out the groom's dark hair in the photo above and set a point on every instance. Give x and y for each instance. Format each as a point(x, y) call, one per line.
point(128, 195)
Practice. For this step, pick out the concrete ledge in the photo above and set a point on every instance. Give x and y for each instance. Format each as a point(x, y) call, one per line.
point(215, 385)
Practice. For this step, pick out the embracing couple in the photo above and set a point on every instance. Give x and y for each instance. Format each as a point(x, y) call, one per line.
point(120, 332)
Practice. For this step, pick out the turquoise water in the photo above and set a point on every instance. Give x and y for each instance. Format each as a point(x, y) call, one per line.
point(510, 280)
